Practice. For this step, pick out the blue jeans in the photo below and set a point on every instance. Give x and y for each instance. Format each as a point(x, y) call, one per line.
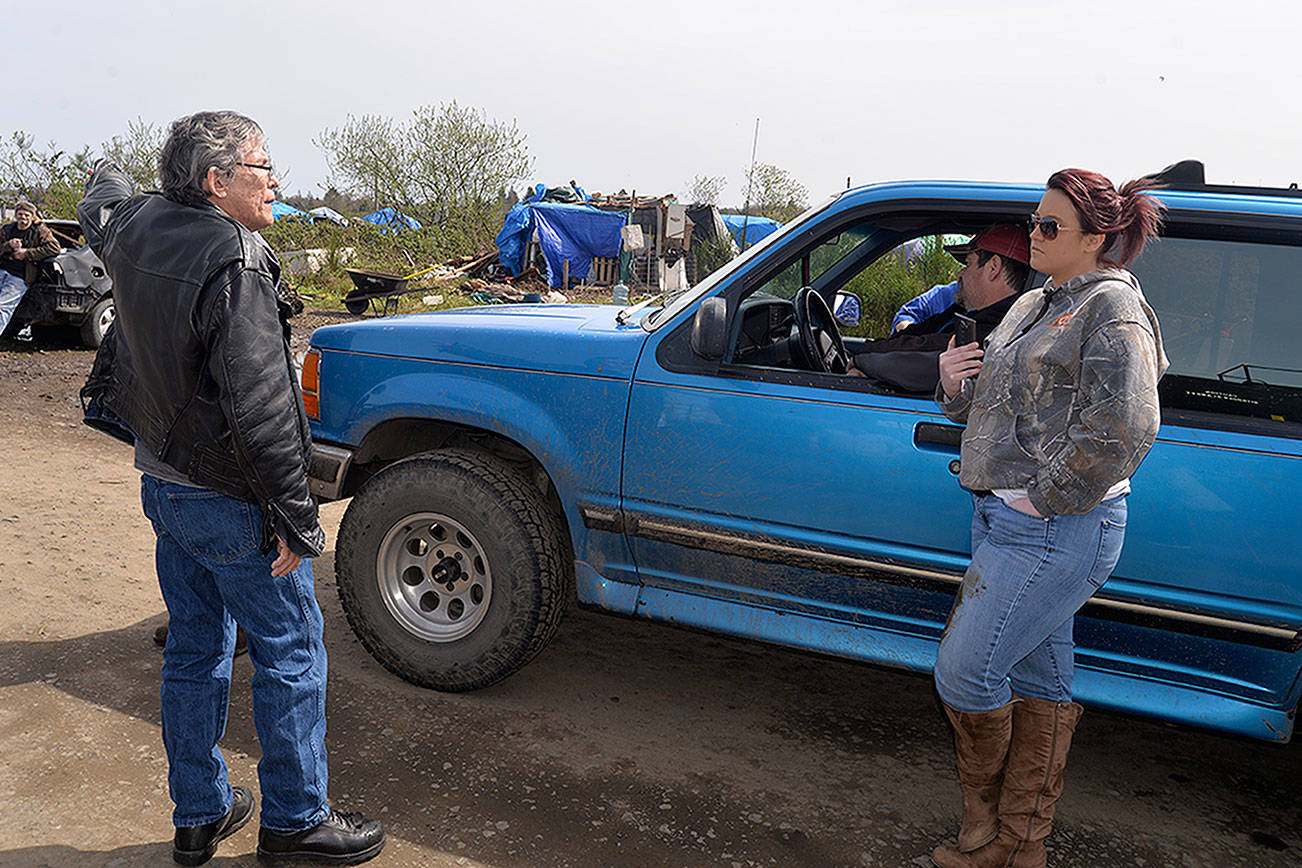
point(212, 575)
point(1011, 626)
point(12, 290)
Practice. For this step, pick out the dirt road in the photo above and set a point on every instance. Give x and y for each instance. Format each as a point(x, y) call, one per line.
point(624, 743)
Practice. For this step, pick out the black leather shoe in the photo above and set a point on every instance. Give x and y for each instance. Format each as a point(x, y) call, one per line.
point(340, 839)
point(194, 845)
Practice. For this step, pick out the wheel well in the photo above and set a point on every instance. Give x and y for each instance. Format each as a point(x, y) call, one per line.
point(401, 438)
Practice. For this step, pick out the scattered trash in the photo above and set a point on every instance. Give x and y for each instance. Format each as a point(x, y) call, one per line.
point(432, 300)
point(499, 291)
point(529, 275)
point(471, 266)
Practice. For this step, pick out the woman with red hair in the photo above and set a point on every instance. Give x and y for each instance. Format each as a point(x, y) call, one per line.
point(1061, 407)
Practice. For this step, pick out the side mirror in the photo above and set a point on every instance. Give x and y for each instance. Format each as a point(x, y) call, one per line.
point(846, 307)
point(709, 337)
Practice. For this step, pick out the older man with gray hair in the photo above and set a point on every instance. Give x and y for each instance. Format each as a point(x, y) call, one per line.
point(22, 243)
point(196, 372)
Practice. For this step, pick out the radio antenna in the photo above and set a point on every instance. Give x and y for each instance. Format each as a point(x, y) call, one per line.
point(750, 180)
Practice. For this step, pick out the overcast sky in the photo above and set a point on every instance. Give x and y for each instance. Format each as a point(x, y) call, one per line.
point(648, 95)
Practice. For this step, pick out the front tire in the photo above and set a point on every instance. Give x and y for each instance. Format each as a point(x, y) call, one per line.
point(452, 569)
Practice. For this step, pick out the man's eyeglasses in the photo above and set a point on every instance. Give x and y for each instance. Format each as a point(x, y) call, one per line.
point(1048, 226)
point(264, 166)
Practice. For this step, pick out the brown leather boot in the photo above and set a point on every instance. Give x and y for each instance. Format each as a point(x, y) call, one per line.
point(981, 747)
point(1033, 777)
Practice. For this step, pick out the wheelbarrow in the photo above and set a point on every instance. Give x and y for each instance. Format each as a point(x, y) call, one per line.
point(377, 290)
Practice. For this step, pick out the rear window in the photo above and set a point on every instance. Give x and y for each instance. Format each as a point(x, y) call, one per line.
point(1232, 326)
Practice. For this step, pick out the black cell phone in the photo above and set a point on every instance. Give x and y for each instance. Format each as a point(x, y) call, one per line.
point(964, 330)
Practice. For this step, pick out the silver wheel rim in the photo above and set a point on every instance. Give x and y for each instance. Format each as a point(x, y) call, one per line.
point(106, 318)
point(434, 577)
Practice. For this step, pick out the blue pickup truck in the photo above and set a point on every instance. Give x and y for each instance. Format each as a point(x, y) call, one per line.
point(696, 460)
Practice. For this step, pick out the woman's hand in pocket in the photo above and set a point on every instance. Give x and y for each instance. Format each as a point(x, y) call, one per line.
point(1024, 505)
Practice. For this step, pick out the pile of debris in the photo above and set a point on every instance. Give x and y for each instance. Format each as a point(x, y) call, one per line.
point(489, 284)
point(485, 280)
point(482, 265)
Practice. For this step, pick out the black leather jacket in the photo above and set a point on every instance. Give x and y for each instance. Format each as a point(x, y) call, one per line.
point(197, 364)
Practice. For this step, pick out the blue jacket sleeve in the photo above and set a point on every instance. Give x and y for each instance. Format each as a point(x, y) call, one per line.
point(931, 302)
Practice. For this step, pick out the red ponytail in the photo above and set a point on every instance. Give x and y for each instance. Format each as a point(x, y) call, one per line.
point(1129, 216)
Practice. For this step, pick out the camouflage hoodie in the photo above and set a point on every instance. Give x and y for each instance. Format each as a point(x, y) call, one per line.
point(1066, 402)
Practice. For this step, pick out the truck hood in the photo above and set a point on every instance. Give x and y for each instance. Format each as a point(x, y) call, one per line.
point(559, 338)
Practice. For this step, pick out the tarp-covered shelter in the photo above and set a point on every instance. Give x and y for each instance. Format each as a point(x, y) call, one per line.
point(391, 219)
point(756, 228)
point(707, 224)
point(281, 209)
point(570, 193)
point(565, 231)
point(324, 213)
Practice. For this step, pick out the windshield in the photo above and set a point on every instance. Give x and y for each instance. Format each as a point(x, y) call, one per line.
point(675, 303)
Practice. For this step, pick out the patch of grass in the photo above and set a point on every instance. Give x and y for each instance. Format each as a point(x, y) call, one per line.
point(894, 279)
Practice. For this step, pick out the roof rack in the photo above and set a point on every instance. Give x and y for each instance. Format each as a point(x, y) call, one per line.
point(1189, 175)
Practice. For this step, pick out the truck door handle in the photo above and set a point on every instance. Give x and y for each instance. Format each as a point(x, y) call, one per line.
point(940, 438)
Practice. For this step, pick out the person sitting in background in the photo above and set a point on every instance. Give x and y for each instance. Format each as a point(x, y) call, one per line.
point(23, 242)
point(995, 268)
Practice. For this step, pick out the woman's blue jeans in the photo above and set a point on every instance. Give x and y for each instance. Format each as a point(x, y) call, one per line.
point(1011, 626)
point(212, 575)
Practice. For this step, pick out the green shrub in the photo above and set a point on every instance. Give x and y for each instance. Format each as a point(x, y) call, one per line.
point(398, 253)
point(892, 280)
point(710, 255)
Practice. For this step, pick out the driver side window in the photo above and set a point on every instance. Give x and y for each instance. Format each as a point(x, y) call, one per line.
point(767, 334)
point(787, 282)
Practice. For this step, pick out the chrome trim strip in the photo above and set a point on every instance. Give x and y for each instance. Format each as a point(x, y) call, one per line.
point(1280, 633)
point(832, 559)
point(768, 550)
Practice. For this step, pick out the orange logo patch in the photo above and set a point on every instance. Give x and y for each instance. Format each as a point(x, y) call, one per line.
point(1061, 321)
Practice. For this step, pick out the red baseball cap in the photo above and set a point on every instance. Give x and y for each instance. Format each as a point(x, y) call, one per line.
point(1002, 238)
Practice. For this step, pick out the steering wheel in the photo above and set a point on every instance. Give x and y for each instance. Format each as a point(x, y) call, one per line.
point(820, 339)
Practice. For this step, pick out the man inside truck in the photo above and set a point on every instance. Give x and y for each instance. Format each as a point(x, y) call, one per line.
point(995, 268)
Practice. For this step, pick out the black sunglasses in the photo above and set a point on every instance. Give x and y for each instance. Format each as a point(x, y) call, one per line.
point(1048, 227)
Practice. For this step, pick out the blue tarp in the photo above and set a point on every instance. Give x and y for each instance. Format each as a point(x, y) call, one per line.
point(756, 227)
point(280, 209)
point(392, 219)
point(573, 232)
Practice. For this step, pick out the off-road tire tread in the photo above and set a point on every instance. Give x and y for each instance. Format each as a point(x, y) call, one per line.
point(553, 576)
